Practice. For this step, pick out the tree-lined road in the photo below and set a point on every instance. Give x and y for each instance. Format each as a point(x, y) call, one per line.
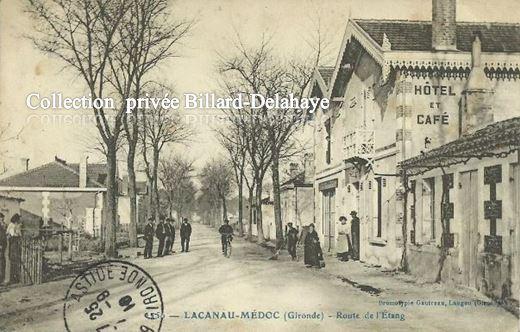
point(249, 285)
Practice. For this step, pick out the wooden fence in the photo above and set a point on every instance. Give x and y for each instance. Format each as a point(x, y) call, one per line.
point(31, 269)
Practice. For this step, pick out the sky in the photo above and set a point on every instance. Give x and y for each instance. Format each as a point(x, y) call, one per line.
point(24, 69)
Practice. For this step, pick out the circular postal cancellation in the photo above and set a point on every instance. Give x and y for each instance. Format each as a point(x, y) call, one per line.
point(113, 295)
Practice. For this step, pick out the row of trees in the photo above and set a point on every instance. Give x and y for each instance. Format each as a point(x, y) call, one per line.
point(113, 46)
point(256, 141)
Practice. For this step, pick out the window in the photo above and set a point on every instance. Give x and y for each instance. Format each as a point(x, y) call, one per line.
point(328, 138)
point(428, 196)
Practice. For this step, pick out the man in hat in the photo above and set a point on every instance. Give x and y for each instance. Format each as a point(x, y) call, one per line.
point(148, 237)
point(292, 239)
point(160, 232)
point(170, 236)
point(185, 235)
point(354, 232)
point(225, 230)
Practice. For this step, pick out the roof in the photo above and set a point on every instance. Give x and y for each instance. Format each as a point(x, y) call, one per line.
point(298, 181)
point(57, 174)
point(96, 172)
point(500, 135)
point(326, 73)
point(417, 35)
point(11, 198)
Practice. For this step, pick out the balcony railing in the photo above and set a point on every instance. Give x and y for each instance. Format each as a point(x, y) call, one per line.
point(359, 143)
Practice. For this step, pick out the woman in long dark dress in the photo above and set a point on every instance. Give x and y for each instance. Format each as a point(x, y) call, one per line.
point(312, 249)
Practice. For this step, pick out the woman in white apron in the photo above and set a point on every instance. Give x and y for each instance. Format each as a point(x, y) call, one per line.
point(342, 245)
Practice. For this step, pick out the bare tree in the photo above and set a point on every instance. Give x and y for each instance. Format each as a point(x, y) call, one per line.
point(244, 72)
point(159, 127)
point(259, 70)
point(111, 45)
point(176, 176)
point(6, 136)
point(152, 37)
point(217, 178)
point(232, 138)
point(83, 34)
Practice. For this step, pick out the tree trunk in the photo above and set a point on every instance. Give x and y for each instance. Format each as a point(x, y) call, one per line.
point(240, 203)
point(250, 211)
point(155, 182)
point(151, 205)
point(224, 208)
point(132, 193)
point(276, 200)
point(260, 230)
point(111, 202)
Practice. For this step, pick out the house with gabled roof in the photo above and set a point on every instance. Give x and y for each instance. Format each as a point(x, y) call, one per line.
point(69, 194)
point(395, 93)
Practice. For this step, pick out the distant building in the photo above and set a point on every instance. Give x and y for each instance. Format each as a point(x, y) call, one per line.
point(297, 195)
point(68, 194)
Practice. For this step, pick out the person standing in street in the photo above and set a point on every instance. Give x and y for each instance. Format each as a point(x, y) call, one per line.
point(3, 246)
point(148, 237)
point(160, 233)
point(292, 239)
point(14, 238)
point(342, 247)
point(354, 232)
point(312, 249)
point(185, 235)
point(169, 233)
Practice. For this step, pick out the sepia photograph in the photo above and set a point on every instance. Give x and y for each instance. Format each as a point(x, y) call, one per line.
point(259, 165)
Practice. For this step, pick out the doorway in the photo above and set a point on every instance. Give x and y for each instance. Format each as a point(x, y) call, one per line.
point(328, 208)
point(469, 236)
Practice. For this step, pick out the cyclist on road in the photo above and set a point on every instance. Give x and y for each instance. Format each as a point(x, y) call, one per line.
point(225, 231)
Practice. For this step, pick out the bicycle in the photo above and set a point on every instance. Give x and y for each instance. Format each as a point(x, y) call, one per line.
point(227, 245)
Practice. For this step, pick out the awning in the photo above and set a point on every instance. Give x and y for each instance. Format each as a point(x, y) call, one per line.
point(497, 140)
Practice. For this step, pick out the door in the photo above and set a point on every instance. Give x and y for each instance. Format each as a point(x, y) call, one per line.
point(328, 209)
point(469, 236)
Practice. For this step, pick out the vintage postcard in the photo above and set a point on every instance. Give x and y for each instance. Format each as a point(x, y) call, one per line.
point(259, 165)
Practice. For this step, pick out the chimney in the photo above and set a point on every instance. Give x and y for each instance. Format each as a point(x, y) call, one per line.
point(293, 170)
point(83, 171)
point(309, 167)
point(444, 25)
point(24, 162)
point(477, 108)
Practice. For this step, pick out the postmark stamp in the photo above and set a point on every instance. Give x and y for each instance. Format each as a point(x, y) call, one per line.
point(113, 295)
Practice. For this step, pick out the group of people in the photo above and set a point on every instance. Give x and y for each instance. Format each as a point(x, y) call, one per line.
point(347, 242)
point(10, 249)
point(164, 231)
point(312, 253)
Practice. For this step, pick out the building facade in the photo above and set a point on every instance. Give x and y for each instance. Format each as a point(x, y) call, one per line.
point(395, 92)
